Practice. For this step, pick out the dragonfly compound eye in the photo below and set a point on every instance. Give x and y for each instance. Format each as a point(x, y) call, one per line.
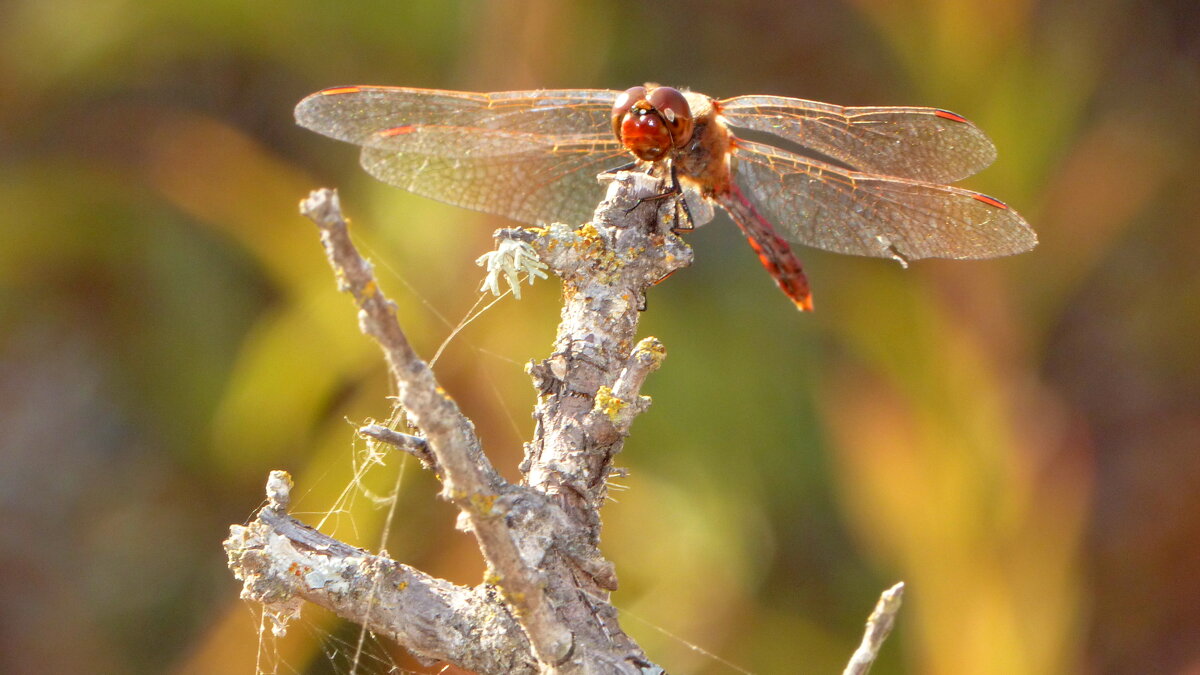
point(642, 128)
point(675, 111)
point(623, 104)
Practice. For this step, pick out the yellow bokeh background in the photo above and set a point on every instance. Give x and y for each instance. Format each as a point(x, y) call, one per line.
point(1018, 440)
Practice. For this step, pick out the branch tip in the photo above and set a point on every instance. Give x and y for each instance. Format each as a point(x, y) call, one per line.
point(879, 625)
point(323, 207)
point(414, 445)
point(279, 491)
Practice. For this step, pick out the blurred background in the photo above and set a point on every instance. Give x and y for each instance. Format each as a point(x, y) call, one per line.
point(1016, 439)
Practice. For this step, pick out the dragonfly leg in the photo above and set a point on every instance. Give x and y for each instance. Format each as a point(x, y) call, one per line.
point(664, 277)
point(617, 169)
point(687, 224)
point(674, 190)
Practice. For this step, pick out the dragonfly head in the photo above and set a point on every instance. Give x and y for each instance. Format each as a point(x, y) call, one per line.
point(651, 121)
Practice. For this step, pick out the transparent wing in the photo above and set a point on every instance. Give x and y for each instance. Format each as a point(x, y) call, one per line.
point(531, 178)
point(358, 114)
point(925, 144)
point(529, 155)
point(823, 206)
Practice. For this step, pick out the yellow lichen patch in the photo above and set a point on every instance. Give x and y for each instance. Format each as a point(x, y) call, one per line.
point(609, 405)
point(483, 503)
point(588, 231)
point(593, 245)
point(653, 348)
point(402, 585)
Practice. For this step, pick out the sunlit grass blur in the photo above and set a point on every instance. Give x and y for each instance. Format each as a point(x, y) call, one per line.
point(1015, 439)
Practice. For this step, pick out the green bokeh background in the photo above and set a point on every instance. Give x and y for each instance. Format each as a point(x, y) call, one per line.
point(1018, 440)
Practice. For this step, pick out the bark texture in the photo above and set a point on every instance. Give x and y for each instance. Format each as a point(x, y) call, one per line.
point(543, 606)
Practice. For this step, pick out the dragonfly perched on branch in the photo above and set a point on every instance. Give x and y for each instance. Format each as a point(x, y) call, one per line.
point(533, 156)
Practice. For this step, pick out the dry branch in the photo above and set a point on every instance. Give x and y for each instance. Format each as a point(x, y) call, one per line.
point(879, 625)
point(543, 605)
point(283, 561)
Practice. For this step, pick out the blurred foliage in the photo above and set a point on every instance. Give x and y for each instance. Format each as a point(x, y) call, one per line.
point(1016, 439)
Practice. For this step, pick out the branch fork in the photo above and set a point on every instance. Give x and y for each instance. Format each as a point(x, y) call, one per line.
point(543, 605)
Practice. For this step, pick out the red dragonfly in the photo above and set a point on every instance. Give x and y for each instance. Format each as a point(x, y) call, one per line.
point(875, 187)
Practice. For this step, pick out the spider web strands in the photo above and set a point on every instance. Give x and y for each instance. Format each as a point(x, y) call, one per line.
point(473, 313)
point(690, 645)
point(469, 479)
point(384, 534)
point(397, 419)
point(341, 655)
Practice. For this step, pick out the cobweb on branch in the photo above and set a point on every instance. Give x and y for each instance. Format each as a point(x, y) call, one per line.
point(344, 647)
point(348, 648)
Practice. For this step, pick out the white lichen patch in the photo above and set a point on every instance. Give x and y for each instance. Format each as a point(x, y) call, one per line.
point(510, 259)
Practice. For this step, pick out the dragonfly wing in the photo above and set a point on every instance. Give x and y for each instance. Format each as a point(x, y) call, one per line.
point(357, 114)
point(528, 177)
point(827, 207)
point(925, 144)
point(529, 155)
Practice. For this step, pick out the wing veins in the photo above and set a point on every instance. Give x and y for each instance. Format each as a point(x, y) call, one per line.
point(906, 207)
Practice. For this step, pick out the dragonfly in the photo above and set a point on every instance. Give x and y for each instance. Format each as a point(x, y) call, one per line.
point(868, 181)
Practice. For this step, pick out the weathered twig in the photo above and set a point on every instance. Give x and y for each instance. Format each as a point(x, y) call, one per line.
point(283, 561)
point(879, 625)
point(413, 445)
point(468, 478)
point(540, 539)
